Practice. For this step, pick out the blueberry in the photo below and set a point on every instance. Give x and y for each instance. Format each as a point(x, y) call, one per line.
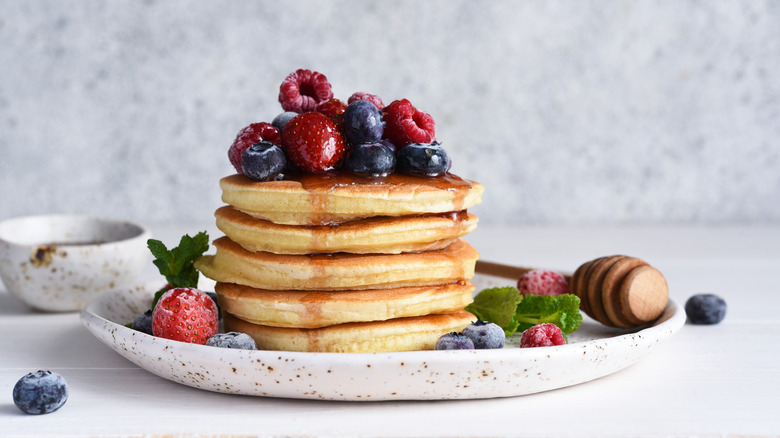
point(485, 335)
point(705, 309)
point(41, 392)
point(232, 340)
point(280, 121)
point(454, 341)
point(143, 323)
point(423, 159)
point(263, 161)
point(374, 159)
point(362, 123)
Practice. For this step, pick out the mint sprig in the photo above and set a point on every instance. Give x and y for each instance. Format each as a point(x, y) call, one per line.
point(515, 312)
point(176, 264)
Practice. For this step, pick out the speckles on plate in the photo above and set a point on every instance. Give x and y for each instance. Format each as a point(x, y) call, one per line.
point(388, 376)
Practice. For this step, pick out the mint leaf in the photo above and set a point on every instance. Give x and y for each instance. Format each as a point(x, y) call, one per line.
point(562, 310)
point(497, 305)
point(176, 264)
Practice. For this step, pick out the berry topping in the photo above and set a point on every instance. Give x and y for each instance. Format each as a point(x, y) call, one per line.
point(249, 136)
point(373, 98)
point(542, 335)
point(143, 323)
point(332, 107)
point(406, 124)
point(313, 142)
point(705, 309)
point(454, 341)
point(370, 159)
point(423, 159)
point(485, 335)
point(541, 282)
point(232, 340)
point(362, 123)
point(41, 392)
point(303, 90)
point(186, 315)
point(263, 161)
point(281, 120)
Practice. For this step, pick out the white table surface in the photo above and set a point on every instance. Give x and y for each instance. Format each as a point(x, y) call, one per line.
point(721, 380)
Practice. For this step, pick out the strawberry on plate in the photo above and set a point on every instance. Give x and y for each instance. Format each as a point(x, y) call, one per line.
point(185, 314)
point(313, 142)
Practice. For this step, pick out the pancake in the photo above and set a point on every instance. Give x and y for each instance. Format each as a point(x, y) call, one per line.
point(314, 309)
point(334, 198)
point(386, 235)
point(264, 270)
point(401, 334)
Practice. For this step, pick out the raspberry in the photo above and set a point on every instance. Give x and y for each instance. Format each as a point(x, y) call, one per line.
point(303, 90)
point(406, 124)
point(332, 107)
point(248, 136)
point(542, 335)
point(373, 98)
point(541, 282)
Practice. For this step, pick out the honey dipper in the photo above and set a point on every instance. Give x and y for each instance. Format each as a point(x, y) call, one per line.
point(618, 291)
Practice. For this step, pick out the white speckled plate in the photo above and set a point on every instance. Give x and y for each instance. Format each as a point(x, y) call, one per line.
point(593, 351)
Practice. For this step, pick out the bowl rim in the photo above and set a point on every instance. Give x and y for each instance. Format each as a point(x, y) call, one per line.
point(139, 231)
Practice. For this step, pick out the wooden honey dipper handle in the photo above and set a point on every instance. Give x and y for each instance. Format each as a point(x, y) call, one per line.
point(507, 271)
point(618, 291)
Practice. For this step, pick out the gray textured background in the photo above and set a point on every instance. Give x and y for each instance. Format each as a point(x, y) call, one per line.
point(570, 112)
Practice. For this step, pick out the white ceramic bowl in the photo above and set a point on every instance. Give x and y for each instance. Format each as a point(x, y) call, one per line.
point(58, 263)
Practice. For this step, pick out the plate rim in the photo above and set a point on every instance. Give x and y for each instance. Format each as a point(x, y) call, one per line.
point(666, 326)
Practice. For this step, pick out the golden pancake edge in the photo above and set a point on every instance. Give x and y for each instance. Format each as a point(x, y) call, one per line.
point(323, 199)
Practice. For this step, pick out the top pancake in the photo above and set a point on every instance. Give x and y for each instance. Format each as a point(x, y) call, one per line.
point(335, 198)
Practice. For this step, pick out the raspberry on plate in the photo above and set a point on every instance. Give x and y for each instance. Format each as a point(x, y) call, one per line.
point(406, 124)
point(542, 335)
point(543, 282)
point(185, 314)
point(303, 90)
point(313, 142)
point(248, 136)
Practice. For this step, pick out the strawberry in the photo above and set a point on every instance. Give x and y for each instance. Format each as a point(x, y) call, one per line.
point(312, 141)
point(332, 107)
point(248, 136)
point(406, 124)
point(185, 314)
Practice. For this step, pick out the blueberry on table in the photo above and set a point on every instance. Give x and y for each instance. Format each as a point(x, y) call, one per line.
point(454, 341)
point(485, 335)
point(41, 392)
point(263, 161)
point(232, 340)
point(705, 309)
point(423, 159)
point(371, 159)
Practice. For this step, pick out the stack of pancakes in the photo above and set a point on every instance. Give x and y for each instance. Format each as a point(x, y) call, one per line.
point(343, 263)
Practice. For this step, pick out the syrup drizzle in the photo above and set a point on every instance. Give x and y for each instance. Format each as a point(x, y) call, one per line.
point(319, 185)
